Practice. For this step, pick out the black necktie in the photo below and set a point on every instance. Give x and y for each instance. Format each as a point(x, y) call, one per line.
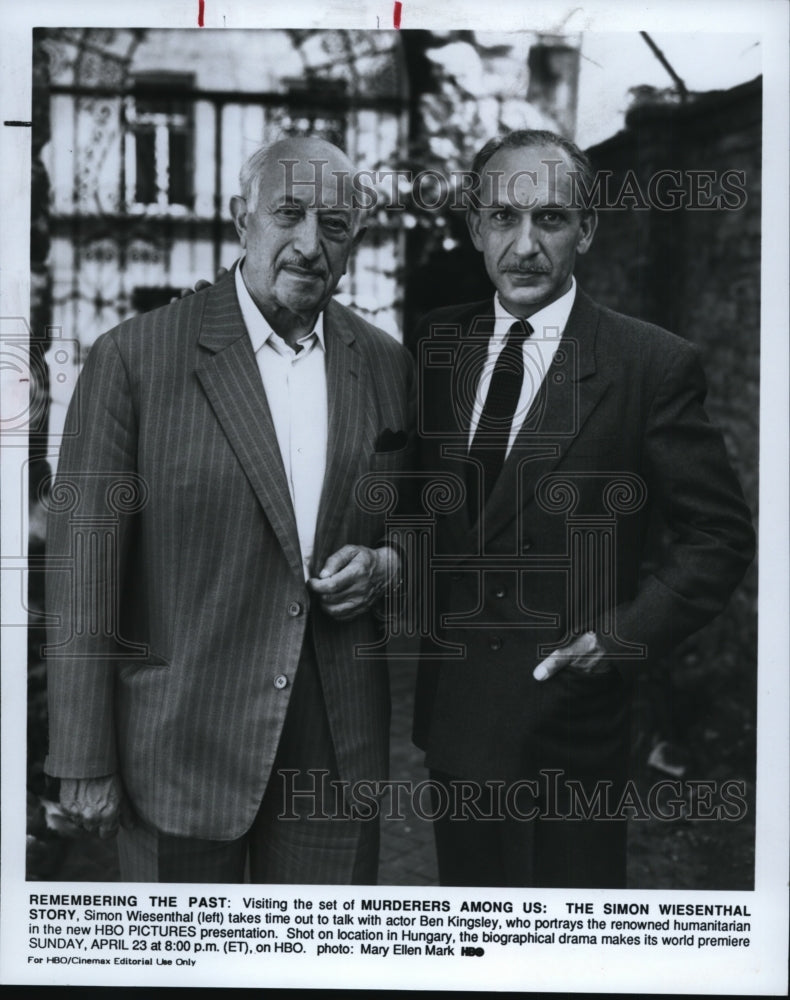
point(489, 444)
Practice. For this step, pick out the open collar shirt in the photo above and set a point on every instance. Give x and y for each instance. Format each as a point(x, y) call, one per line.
point(296, 391)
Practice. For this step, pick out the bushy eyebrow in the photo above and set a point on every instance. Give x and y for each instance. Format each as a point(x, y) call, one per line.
point(288, 201)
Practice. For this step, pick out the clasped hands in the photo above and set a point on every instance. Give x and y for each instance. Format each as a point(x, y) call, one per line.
point(353, 579)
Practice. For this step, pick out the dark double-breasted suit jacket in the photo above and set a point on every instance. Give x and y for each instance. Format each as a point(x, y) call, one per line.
point(616, 435)
point(175, 582)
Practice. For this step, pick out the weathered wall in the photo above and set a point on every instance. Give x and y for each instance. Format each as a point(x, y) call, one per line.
point(697, 273)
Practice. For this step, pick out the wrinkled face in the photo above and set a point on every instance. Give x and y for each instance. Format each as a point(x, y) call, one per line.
point(526, 228)
point(300, 232)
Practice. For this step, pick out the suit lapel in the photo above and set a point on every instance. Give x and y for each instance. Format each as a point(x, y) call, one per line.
point(472, 354)
point(448, 395)
point(570, 391)
point(352, 426)
point(230, 379)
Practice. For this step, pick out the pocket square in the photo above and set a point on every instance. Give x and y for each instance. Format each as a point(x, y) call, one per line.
point(390, 440)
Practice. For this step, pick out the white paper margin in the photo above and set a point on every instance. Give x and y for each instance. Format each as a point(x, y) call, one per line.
point(760, 969)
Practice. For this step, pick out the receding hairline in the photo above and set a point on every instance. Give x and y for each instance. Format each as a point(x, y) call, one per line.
point(575, 160)
point(290, 151)
point(553, 153)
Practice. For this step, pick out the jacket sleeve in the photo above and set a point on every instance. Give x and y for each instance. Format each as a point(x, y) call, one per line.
point(92, 503)
point(712, 541)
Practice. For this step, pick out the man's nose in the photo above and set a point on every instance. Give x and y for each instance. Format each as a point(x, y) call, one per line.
point(306, 240)
point(526, 241)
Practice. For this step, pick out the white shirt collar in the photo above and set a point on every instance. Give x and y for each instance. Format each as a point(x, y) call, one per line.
point(258, 328)
point(547, 323)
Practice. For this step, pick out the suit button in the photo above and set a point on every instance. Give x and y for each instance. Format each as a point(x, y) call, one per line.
point(294, 609)
point(500, 592)
point(526, 545)
point(495, 642)
point(280, 682)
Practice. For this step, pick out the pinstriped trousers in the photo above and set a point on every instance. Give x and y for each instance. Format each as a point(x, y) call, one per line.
point(299, 835)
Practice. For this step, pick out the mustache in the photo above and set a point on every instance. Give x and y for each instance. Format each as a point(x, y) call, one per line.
point(525, 269)
point(304, 265)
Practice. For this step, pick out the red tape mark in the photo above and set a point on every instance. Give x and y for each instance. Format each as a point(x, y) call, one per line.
point(201, 12)
point(396, 14)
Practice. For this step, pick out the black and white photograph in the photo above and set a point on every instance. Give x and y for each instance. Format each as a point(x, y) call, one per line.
point(394, 586)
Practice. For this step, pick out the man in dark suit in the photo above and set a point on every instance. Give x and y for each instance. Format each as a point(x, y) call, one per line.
point(569, 427)
point(214, 566)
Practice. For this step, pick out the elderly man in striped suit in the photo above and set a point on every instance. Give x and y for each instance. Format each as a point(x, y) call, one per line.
point(213, 577)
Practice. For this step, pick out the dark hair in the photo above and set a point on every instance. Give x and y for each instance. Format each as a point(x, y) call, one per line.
point(529, 138)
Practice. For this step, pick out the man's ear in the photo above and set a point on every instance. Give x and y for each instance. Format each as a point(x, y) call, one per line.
point(238, 211)
point(588, 227)
point(473, 220)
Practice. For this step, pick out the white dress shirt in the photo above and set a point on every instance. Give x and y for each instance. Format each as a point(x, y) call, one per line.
point(295, 387)
point(548, 326)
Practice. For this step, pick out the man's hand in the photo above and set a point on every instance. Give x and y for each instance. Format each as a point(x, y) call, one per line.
point(353, 579)
point(200, 284)
point(97, 805)
point(584, 654)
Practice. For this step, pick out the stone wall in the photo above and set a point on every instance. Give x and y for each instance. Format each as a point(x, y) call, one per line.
point(697, 273)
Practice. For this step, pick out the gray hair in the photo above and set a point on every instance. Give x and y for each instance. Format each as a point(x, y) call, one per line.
point(250, 175)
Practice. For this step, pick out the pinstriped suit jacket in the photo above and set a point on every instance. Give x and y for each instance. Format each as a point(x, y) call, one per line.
point(175, 580)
